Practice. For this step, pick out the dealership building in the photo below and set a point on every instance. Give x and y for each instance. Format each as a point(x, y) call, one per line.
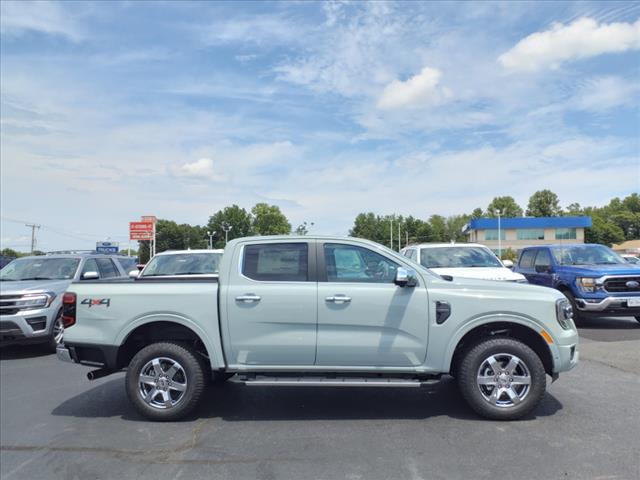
point(520, 232)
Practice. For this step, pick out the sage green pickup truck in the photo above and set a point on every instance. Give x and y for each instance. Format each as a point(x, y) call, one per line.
point(320, 311)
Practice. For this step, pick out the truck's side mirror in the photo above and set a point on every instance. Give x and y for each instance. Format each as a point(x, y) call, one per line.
point(507, 263)
point(90, 276)
point(134, 273)
point(405, 277)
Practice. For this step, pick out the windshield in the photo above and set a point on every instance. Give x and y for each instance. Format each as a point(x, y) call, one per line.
point(183, 264)
point(458, 257)
point(586, 255)
point(40, 269)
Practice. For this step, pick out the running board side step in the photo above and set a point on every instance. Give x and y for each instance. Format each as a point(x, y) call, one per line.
point(273, 381)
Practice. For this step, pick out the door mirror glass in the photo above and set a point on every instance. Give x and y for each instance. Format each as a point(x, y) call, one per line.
point(405, 277)
point(90, 276)
point(134, 273)
point(507, 263)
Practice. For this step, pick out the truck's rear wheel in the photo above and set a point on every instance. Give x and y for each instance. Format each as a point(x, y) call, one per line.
point(502, 378)
point(165, 381)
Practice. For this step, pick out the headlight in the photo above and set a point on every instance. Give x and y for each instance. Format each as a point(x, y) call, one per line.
point(564, 313)
point(35, 301)
point(587, 284)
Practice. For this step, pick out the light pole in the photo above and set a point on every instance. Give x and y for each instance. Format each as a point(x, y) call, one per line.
point(211, 235)
point(227, 228)
point(499, 236)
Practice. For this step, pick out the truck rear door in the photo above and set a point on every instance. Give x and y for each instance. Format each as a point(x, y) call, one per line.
point(270, 304)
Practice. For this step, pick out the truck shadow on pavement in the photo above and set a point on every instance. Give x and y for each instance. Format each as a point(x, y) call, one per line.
point(609, 324)
point(17, 352)
point(233, 402)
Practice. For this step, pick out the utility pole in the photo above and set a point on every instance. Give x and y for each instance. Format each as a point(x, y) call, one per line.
point(391, 233)
point(399, 236)
point(33, 235)
point(499, 236)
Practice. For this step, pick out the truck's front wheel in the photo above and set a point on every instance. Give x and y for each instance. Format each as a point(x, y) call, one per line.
point(502, 378)
point(165, 381)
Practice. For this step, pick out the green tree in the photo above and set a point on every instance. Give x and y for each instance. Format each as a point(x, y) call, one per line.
point(269, 220)
point(453, 227)
point(507, 206)
point(9, 252)
point(603, 231)
point(237, 218)
point(575, 210)
point(367, 225)
point(171, 236)
point(509, 254)
point(544, 203)
point(477, 213)
point(438, 226)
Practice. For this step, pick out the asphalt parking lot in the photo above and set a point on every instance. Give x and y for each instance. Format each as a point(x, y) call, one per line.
point(56, 424)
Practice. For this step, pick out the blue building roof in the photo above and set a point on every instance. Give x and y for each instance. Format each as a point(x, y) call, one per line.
point(530, 222)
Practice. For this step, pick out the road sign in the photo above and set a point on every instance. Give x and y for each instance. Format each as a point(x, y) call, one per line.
point(143, 235)
point(141, 230)
point(107, 247)
point(149, 218)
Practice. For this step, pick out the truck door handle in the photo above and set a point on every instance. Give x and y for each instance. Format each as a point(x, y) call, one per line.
point(338, 299)
point(248, 298)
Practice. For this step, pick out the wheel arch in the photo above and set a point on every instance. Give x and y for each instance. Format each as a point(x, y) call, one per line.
point(164, 328)
point(509, 328)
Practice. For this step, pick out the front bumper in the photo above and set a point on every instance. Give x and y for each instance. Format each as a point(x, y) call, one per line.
point(27, 326)
point(617, 305)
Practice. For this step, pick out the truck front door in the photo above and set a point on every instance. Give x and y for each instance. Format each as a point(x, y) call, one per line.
point(364, 318)
point(270, 306)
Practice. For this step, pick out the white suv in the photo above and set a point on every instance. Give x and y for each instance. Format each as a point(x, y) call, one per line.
point(468, 260)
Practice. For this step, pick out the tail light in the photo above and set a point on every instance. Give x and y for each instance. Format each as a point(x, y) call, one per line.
point(69, 309)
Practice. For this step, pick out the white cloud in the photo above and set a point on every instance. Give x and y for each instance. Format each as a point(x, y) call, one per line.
point(419, 90)
point(604, 93)
point(583, 38)
point(202, 168)
point(45, 17)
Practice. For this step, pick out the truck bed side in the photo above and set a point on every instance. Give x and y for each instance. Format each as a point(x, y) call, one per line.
point(107, 313)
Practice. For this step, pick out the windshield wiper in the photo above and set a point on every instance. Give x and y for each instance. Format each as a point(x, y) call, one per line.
point(7, 280)
point(37, 278)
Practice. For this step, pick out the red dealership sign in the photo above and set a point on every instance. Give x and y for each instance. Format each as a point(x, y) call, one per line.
point(141, 230)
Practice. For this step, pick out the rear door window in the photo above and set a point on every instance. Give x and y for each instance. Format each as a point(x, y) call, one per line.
point(90, 266)
point(526, 259)
point(107, 268)
point(543, 259)
point(276, 262)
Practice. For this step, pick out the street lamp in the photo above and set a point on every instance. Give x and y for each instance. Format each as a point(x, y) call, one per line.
point(211, 235)
point(227, 228)
point(499, 212)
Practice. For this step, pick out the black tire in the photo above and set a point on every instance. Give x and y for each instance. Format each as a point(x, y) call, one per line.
point(578, 316)
point(190, 376)
point(529, 366)
point(55, 338)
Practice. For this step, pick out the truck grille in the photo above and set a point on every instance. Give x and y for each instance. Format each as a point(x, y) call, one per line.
point(622, 284)
point(8, 304)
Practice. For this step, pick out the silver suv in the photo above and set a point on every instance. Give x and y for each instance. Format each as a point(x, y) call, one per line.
point(31, 291)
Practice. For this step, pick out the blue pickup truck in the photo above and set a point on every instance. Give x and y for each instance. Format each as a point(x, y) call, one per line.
point(596, 280)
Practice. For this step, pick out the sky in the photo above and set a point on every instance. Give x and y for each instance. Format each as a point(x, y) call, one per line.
point(113, 110)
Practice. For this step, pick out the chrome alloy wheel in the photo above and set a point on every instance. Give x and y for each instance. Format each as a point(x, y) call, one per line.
point(58, 330)
point(162, 383)
point(504, 380)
